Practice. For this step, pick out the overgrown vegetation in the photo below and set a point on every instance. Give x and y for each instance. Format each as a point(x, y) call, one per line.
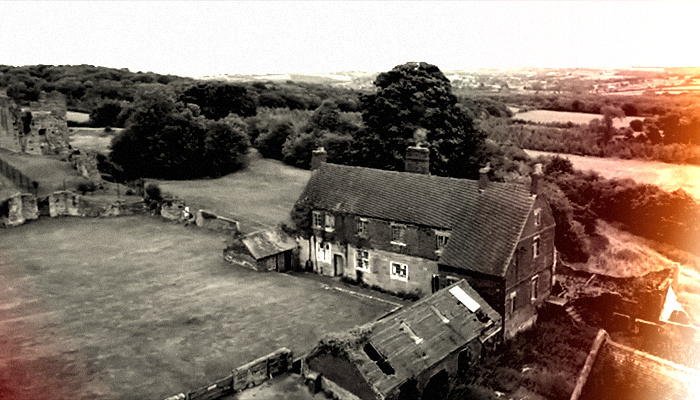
point(167, 139)
point(545, 360)
point(645, 210)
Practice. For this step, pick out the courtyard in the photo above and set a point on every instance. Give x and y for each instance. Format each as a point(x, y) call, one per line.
point(139, 308)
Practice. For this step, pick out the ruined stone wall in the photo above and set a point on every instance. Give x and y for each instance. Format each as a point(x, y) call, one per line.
point(66, 203)
point(8, 131)
point(49, 127)
point(18, 209)
point(209, 220)
point(86, 165)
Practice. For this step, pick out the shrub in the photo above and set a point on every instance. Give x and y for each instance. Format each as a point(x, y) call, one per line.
point(153, 192)
point(85, 187)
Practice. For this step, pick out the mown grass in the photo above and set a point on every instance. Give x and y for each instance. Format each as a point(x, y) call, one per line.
point(139, 308)
point(261, 196)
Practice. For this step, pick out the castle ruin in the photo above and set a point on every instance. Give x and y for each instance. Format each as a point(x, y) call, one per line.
point(40, 128)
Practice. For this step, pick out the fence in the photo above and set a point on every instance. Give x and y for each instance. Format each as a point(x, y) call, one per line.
point(245, 376)
point(19, 179)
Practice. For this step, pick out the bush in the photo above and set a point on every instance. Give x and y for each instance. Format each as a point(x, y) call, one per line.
point(153, 192)
point(85, 187)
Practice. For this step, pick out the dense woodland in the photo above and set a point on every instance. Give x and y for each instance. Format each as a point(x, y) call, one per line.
point(181, 128)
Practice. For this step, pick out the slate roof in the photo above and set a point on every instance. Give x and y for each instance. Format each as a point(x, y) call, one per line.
point(266, 243)
point(415, 338)
point(486, 225)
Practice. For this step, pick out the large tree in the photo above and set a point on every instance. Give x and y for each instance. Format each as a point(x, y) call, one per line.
point(219, 99)
point(414, 104)
point(166, 139)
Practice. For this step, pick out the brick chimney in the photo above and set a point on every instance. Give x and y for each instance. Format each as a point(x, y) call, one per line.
point(417, 160)
point(318, 157)
point(484, 176)
point(536, 180)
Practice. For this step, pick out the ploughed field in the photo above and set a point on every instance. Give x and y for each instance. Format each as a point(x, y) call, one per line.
point(667, 176)
point(139, 308)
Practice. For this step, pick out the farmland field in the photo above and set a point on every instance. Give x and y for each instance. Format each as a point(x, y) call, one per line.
point(667, 176)
point(76, 116)
point(139, 308)
point(548, 116)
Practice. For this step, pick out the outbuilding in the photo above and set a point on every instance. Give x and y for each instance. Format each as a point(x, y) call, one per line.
point(266, 250)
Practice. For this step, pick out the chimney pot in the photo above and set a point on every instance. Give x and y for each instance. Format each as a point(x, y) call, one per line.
point(536, 180)
point(417, 160)
point(484, 176)
point(318, 157)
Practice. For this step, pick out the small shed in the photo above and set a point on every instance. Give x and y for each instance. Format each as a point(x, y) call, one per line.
point(267, 250)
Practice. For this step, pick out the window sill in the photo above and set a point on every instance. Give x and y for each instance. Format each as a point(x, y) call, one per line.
point(399, 278)
point(398, 243)
point(369, 271)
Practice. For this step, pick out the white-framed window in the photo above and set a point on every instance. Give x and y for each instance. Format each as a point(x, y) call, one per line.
point(538, 216)
point(329, 222)
point(398, 234)
point(317, 219)
point(362, 226)
point(323, 252)
point(398, 271)
point(535, 246)
point(510, 304)
point(533, 288)
point(441, 238)
point(362, 260)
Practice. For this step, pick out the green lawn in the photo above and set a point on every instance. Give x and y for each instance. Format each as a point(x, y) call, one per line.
point(139, 308)
point(50, 173)
point(261, 196)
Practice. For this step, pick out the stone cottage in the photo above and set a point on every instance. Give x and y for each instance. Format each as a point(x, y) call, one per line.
point(413, 232)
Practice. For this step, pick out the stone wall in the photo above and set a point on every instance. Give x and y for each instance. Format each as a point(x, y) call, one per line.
point(48, 132)
point(66, 203)
point(86, 165)
point(209, 220)
point(18, 209)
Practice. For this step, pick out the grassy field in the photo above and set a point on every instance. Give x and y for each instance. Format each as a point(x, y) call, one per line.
point(548, 116)
point(139, 308)
point(50, 173)
point(95, 139)
point(261, 196)
point(667, 176)
point(76, 116)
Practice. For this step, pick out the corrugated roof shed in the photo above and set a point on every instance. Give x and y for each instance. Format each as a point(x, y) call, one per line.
point(266, 243)
point(485, 224)
point(415, 338)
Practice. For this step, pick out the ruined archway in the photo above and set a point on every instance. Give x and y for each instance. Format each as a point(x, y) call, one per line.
point(438, 387)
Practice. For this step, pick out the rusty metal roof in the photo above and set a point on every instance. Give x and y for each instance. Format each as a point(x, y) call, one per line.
point(415, 338)
point(262, 244)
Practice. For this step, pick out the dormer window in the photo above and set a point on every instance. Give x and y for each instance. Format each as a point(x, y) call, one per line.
point(362, 226)
point(441, 238)
point(317, 219)
point(538, 218)
point(398, 234)
point(329, 222)
point(321, 220)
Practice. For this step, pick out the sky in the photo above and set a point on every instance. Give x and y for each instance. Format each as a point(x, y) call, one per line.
point(197, 38)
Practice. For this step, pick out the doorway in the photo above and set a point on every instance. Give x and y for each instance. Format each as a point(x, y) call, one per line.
point(338, 265)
